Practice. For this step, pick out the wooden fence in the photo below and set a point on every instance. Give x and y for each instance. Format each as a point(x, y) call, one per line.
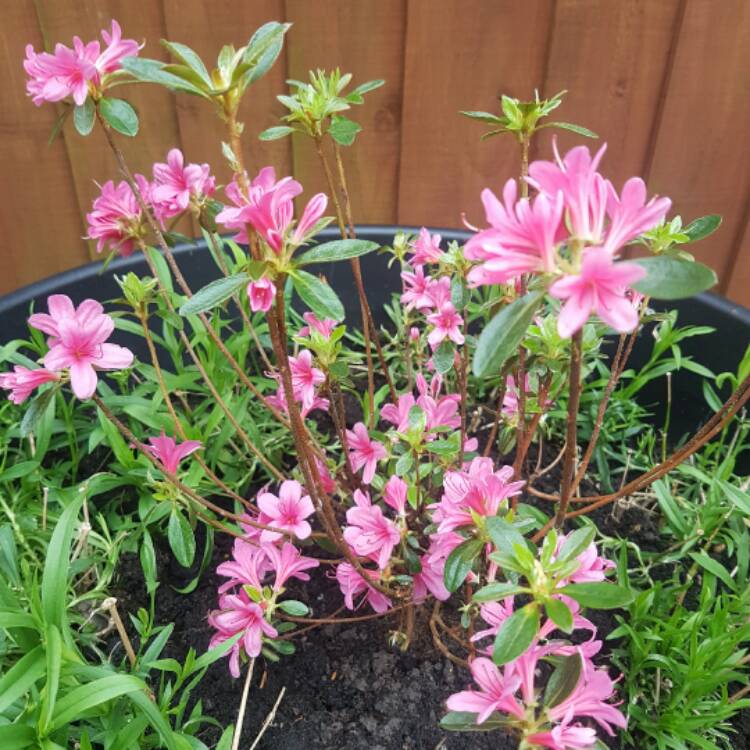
point(665, 82)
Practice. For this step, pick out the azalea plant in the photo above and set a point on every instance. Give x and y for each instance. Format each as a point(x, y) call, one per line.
point(422, 499)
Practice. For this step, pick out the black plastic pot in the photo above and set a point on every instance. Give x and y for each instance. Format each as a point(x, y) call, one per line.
point(720, 351)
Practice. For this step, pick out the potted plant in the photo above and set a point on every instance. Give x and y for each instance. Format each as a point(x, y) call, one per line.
point(445, 459)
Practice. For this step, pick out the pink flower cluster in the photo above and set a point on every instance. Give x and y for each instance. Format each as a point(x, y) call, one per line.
point(306, 382)
point(116, 220)
point(170, 453)
point(268, 207)
point(512, 689)
point(74, 72)
point(572, 231)
point(77, 345)
point(246, 605)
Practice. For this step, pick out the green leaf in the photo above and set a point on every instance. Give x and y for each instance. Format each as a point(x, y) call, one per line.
point(459, 563)
point(516, 634)
point(703, 227)
point(444, 356)
point(563, 680)
point(190, 58)
point(740, 499)
point(261, 51)
point(181, 538)
point(152, 71)
point(336, 250)
point(84, 116)
point(317, 295)
point(225, 741)
point(343, 130)
point(56, 563)
point(464, 721)
point(294, 608)
point(487, 117)
point(53, 653)
point(214, 294)
point(502, 336)
point(503, 534)
point(21, 676)
point(672, 278)
point(578, 129)
point(36, 410)
point(13, 619)
point(17, 736)
point(272, 134)
point(81, 699)
point(714, 566)
point(599, 595)
point(559, 612)
point(493, 592)
point(368, 86)
point(21, 469)
point(119, 115)
point(576, 543)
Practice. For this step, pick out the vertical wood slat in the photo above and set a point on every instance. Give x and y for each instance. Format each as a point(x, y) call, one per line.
point(700, 159)
point(612, 60)
point(38, 207)
point(366, 40)
point(207, 27)
point(462, 57)
point(90, 158)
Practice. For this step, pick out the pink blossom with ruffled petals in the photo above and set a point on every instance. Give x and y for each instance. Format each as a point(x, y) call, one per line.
point(169, 452)
point(398, 414)
point(430, 579)
point(314, 209)
point(305, 377)
point(439, 292)
point(261, 294)
point(352, 585)
point(522, 238)
point(600, 287)
point(77, 342)
point(416, 290)
point(426, 248)
point(176, 184)
point(115, 219)
point(248, 566)
point(288, 562)
point(22, 382)
point(237, 614)
point(364, 452)
point(369, 533)
point(288, 511)
point(278, 401)
point(117, 48)
point(447, 324)
point(495, 692)
point(323, 327)
point(565, 737)
point(585, 191)
point(394, 494)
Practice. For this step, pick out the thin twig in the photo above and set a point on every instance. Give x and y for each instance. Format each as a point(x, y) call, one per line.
point(269, 718)
point(243, 706)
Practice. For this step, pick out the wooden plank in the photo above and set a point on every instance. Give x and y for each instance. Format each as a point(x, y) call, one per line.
point(207, 27)
point(90, 157)
point(366, 40)
point(612, 60)
point(738, 282)
point(463, 57)
point(700, 159)
point(38, 208)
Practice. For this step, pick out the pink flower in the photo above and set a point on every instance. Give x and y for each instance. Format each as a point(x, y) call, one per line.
point(323, 327)
point(522, 238)
point(585, 191)
point(447, 323)
point(416, 286)
point(364, 452)
point(370, 533)
point(278, 401)
point(439, 292)
point(414, 333)
point(115, 219)
point(176, 184)
point(394, 494)
point(166, 450)
point(237, 614)
point(600, 287)
point(305, 378)
point(592, 568)
point(352, 584)
point(495, 692)
point(327, 482)
point(78, 342)
point(261, 294)
point(426, 248)
point(313, 211)
point(430, 579)
point(398, 414)
point(288, 511)
point(248, 566)
point(71, 72)
point(22, 382)
point(630, 215)
point(565, 737)
point(288, 562)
